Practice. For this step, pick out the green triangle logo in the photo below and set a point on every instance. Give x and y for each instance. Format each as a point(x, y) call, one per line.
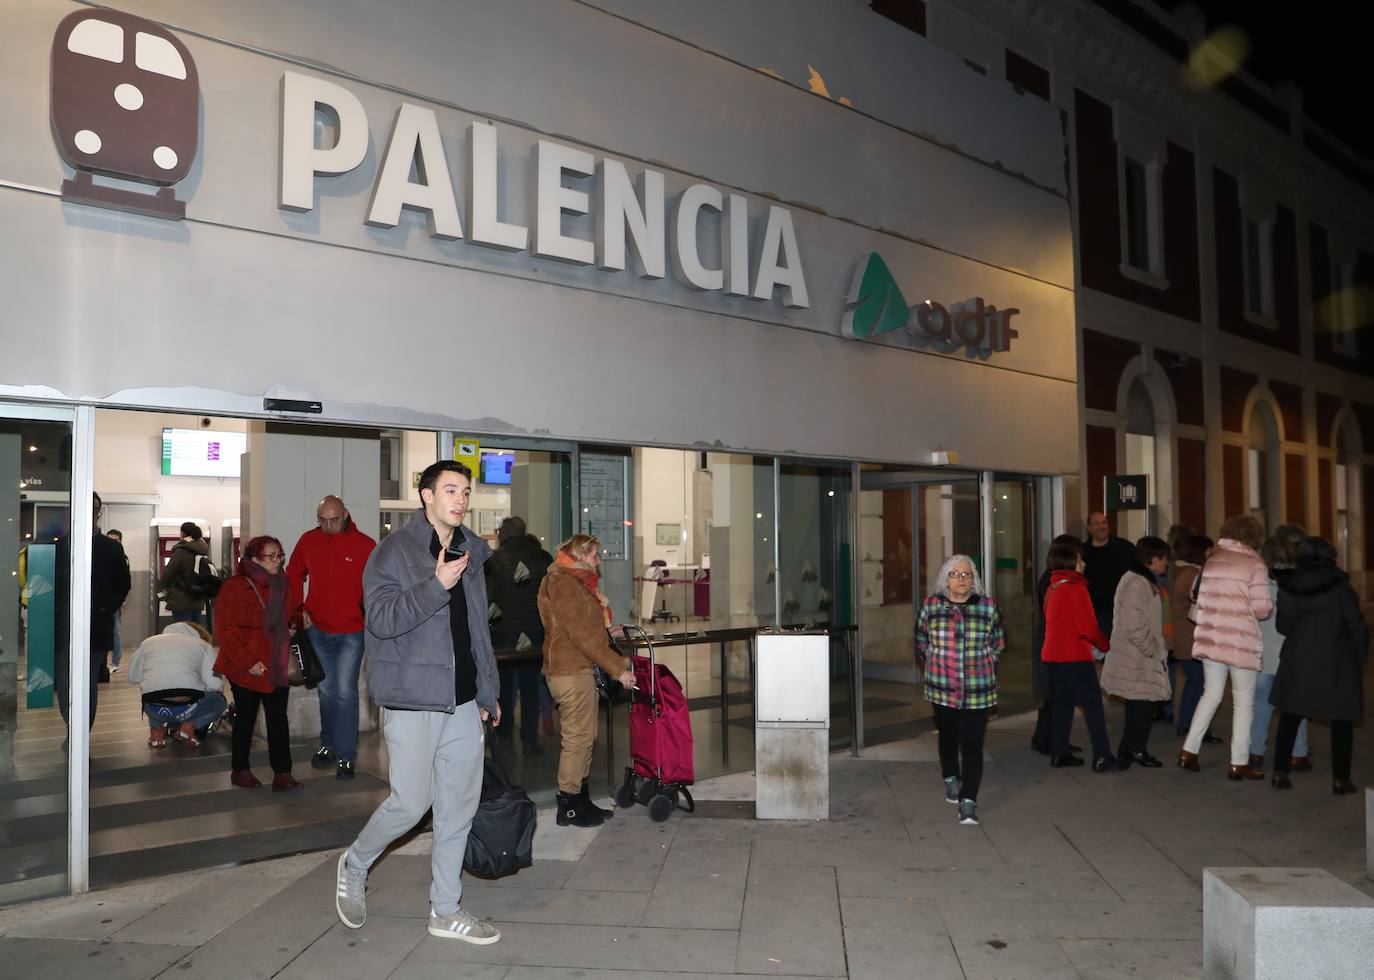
point(875, 305)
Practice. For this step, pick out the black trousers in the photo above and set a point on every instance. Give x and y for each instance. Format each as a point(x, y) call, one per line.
point(1075, 684)
point(961, 745)
point(245, 717)
point(1342, 745)
point(1139, 719)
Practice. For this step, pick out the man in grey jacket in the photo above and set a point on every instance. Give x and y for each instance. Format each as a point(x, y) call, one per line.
point(430, 666)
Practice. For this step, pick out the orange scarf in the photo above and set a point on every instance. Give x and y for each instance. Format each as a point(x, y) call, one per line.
point(589, 579)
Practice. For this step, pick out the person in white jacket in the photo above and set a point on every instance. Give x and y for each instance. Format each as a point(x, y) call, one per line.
point(175, 671)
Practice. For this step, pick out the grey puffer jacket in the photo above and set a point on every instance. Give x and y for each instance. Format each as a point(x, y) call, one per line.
point(1135, 667)
point(409, 643)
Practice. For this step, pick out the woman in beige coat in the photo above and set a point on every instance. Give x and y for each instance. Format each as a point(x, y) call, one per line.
point(1135, 669)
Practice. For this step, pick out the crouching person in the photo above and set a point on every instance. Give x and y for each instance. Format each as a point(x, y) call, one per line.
point(175, 672)
point(430, 666)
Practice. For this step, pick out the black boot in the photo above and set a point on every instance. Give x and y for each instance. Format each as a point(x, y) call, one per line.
point(574, 811)
point(600, 810)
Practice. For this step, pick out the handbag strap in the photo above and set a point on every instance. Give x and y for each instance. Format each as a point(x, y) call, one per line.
point(256, 594)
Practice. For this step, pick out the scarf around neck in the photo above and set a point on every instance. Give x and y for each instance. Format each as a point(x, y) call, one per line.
point(271, 592)
point(589, 579)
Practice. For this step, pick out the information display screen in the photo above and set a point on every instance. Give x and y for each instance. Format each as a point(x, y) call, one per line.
point(496, 467)
point(202, 452)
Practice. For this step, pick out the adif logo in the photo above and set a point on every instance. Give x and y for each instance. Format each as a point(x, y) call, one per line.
point(875, 306)
point(125, 103)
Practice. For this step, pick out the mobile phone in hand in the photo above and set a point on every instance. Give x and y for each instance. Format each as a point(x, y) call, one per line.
point(453, 554)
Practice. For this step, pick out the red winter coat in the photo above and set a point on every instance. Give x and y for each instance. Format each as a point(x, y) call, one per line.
point(239, 631)
point(1071, 629)
point(333, 564)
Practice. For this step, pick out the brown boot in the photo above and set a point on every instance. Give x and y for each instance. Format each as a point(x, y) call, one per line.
point(1237, 773)
point(1256, 761)
point(1188, 760)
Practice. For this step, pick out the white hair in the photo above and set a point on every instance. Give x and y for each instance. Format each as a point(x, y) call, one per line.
point(941, 584)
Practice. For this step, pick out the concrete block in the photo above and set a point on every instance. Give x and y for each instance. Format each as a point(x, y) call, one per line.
point(1290, 923)
point(792, 772)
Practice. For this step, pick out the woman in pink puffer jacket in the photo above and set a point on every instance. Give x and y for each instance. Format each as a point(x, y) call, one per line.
point(1233, 596)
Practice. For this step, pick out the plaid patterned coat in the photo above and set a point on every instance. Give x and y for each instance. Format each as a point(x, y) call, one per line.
point(958, 646)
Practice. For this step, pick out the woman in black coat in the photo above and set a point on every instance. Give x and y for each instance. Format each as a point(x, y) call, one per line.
point(1326, 642)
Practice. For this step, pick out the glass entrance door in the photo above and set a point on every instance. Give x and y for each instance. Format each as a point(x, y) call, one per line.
point(35, 599)
point(909, 523)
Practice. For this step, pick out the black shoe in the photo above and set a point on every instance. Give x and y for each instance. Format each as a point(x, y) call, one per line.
point(1075, 748)
point(587, 798)
point(574, 811)
point(345, 770)
point(1210, 739)
point(1123, 758)
point(1105, 763)
point(1144, 759)
point(322, 759)
point(1065, 761)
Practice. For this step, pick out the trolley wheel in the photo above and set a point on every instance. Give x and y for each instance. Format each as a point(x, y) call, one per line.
point(659, 808)
point(625, 796)
point(648, 789)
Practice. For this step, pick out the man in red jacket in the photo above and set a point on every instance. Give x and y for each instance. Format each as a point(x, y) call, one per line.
point(331, 559)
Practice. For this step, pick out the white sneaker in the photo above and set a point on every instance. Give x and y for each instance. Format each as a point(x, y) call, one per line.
point(114, 668)
point(463, 926)
point(350, 894)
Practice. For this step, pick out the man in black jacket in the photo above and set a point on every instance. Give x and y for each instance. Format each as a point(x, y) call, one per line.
point(514, 573)
point(110, 584)
point(1106, 558)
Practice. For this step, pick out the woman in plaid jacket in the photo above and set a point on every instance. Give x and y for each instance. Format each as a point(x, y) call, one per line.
point(959, 639)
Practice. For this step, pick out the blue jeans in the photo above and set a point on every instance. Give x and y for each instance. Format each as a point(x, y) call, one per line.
point(341, 655)
point(1192, 694)
point(1264, 712)
point(117, 653)
point(199, 714)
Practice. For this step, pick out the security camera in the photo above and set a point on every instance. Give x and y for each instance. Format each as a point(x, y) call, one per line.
point(205, 423)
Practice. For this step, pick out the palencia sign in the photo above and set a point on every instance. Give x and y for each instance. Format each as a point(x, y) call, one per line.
point(875, 306)
point(659, 231)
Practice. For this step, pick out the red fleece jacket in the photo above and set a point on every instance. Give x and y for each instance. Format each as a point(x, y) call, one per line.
point(333, 566)
point(1071, 629)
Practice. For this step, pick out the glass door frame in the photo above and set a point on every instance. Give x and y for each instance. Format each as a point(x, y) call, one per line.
point(908, 478)
point(82, 420)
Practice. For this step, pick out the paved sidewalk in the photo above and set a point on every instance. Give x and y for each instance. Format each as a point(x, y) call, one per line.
point(1071, 874)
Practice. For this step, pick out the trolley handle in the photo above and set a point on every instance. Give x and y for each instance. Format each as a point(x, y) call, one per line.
point(653, 667)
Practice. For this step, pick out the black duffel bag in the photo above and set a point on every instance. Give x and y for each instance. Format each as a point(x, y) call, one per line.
point(501, 840)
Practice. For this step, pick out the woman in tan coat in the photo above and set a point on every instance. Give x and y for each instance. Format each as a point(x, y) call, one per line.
point(1135, 669)
point(575, 616)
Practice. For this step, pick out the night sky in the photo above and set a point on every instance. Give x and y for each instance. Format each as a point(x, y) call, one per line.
point(1323, 47)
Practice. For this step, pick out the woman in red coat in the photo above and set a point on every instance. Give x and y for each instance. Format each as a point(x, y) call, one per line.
point(1071, 633)
point(252, 626)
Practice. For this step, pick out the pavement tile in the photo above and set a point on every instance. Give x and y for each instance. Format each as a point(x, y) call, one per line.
point(899, 881)
point(791, 923)
point(1023, 918)
point(437, 970)
point(1132, 865)
point(372, 951)
point(625, 861)
point(587, 948)
point(265, 940)
point(60, 959)
point(559, 906)
point(97, 919)
point(555, 973)
point(701, 886)
point(1017, 959)
point(1115, 959)
point(892, 937)
point(198, 915)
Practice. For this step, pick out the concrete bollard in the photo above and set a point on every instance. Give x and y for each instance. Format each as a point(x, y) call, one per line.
point(1284, 924)
point(1369, 833)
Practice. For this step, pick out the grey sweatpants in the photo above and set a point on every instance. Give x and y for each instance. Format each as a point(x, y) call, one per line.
point(436, 760)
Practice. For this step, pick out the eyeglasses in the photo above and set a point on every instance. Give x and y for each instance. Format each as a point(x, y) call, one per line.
point(274, 556)
point(961, 575)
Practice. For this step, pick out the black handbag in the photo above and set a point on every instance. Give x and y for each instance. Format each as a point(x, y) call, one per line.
point(501, 840)
point(303, 667)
